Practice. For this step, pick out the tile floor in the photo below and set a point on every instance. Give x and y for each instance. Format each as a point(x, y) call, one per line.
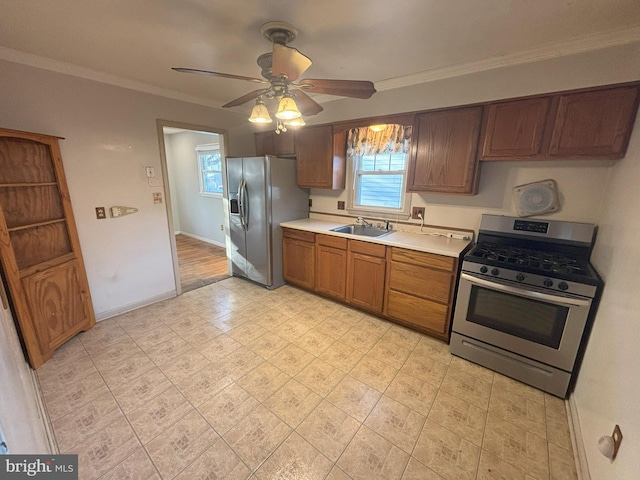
point(232, 381)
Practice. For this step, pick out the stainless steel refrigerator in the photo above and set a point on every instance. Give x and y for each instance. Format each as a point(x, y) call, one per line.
point(262, 193)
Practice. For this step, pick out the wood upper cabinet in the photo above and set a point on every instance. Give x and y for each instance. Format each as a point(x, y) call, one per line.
point(419, 290)
point(39, 246)
point(365, 275)
point(321, 157)
point(298, 257)
point(514, 129)
point(443, 156)
point(278, 144)
point(331, 266)
point(594, 123)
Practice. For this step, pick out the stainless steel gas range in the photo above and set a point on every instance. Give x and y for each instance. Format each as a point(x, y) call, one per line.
point(526, 297)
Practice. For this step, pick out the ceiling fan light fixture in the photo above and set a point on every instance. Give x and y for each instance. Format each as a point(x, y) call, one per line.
point(260, 114)
point(287, 109)
point(295, 122)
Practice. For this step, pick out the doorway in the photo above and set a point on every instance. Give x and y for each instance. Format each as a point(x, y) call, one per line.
point(192, 162)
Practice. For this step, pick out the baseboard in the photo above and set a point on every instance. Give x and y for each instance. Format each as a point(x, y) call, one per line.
point(44, 415)
point(135, 305)
point(577, 442)
point(203, 239)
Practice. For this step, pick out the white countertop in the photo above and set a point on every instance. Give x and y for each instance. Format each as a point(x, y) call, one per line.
point(439, 245)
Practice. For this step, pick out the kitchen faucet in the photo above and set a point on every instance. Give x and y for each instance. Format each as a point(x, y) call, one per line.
point(364, 222)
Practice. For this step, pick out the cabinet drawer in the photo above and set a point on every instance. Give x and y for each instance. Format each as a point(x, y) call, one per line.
point(331, 241)
point(299, 235)
point(367, 248)
point(420, 281)
point(431, 260)
point(418, 311)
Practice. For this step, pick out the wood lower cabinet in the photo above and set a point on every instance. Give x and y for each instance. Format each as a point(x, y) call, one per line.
point(39, 247)
point(443, 158)
point(331, 266)
point(365, 275)
point(420, 289)
point(298, 257)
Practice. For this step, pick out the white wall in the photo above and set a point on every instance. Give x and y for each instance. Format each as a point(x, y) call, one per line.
point(193, 214)
point(110, 135)
point(608, 388)
point(20, 419)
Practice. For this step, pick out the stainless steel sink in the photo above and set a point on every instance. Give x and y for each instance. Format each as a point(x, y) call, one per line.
point(362, 230)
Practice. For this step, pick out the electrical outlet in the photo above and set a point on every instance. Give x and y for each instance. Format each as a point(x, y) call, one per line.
point(222, 227)
point(157, 197)
point(340, 205)
point(101, 213)
point(415, 211)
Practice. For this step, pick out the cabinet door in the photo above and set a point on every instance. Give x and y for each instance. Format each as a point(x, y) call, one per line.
point(514, 129)
point(594, 124)
point(444, 152)
point(331, 271)
point(365, 282)
point(298, 262)
point(317, 166)
point(271, 143)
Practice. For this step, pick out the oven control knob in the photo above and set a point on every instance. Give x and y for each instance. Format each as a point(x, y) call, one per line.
point(563, 286)
point(520, 277)
point(483, 269)
point(547, 283)
point(495, 271)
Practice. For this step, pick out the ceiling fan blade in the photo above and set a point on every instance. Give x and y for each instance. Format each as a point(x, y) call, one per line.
point(218, 74)
point(306, 104)
point(289, 61)
point(341, 88)
point(245, 98)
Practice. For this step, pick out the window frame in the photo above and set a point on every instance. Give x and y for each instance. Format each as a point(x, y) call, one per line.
point(352, 194)
point(209, 149)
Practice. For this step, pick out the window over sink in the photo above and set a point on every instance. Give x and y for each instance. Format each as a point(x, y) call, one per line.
point(377, 163)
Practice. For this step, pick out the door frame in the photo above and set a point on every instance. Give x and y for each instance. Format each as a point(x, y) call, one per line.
point(160, 124)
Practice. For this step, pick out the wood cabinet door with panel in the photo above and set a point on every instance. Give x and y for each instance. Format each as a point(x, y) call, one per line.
point(365, 275)
point(39, 246)
point(321, 161)
point(444, 151)
point(594, 124)
point(298, 257)
point(331, 266)
point(514, 129)
point(272, 143)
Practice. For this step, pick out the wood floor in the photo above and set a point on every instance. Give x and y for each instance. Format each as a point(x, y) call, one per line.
point(200, 263)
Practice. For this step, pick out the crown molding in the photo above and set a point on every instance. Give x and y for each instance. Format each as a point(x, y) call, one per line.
point(593, 42)
point(44, 63)
point(596, 41)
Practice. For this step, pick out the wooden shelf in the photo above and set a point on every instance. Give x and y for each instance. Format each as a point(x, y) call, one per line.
point(30, 184)
point(39, 224)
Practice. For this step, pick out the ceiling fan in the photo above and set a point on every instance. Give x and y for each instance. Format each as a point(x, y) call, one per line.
point(281, 69)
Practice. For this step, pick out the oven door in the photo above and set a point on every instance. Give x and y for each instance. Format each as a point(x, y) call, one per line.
point(521, 319)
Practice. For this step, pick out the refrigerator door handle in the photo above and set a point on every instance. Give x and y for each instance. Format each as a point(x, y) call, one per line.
point(241, 200)
point(245, 204)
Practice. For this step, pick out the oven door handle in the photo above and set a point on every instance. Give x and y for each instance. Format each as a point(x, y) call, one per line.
point(565, 301)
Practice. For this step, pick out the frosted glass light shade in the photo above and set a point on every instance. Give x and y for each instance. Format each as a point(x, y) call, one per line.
point(260, 114)
point(287, 109)
point(295, 122)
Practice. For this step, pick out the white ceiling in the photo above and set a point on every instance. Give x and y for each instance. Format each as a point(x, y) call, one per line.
point(134, 43)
